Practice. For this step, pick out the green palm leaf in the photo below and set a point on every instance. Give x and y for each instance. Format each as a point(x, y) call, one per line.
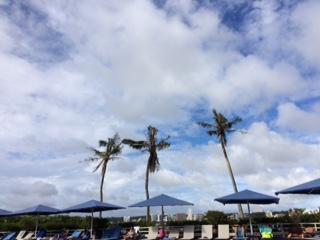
point(112, 148)
point(151, 145)
point(220, 128)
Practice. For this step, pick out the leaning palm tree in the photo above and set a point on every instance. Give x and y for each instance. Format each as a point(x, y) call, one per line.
point(151, 145)
point(112, 150)
point(220, 128)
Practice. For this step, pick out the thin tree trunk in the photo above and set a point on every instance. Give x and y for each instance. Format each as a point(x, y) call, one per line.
point(146, 187)
point(234, 184)
point(103, 173)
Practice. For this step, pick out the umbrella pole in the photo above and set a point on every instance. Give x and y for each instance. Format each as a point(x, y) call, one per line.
point(91, 223)
point(251, 229)
point(37, 222)
point(162, 216)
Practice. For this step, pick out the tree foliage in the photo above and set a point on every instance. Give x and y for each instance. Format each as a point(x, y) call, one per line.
point(220, 128)
point(151, 145)
point(216, 217)
point(58, 222)
point(111, 150)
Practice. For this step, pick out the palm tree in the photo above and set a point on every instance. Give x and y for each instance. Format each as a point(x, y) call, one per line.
point(112, 150)
point(220, 128)
point(151, 145)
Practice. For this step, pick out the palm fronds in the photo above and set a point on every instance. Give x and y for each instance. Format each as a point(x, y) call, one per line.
point(109, 150)
point(152, 145)
point(139, 145)
point(221, 126)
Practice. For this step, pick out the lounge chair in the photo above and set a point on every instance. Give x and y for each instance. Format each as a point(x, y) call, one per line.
point(136, 229)
point(28, 236)
point(223, 231)
point(266, 232)
point(20, 235)
point(174, 233)
point(152, 233)
point(206, 232)
point(188, 232)
point(112, 234)
point(75, 235)
point(10, 236)
point(41, 235)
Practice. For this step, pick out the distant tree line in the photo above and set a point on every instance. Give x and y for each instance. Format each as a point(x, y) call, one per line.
point(60, 222)
point(218, 217)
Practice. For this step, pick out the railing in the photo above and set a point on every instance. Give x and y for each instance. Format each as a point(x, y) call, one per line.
point(279, 229)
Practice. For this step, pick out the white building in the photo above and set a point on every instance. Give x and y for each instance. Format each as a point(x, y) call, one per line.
point(189, 215)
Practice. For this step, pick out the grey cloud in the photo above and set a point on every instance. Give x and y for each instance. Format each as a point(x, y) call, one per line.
point(37, 188)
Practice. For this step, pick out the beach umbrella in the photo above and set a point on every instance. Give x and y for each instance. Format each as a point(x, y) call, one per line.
point(4, 213)
point(91, 207)
point(311, 187)
point(37, 211)
point(161, 200)
point(248, 197)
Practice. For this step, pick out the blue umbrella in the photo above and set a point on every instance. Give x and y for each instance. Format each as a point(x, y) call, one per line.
point(35, 210)
point(91, 207)
point(247, 197)
point(312, 187)
point(161, 200)
point(4, 213)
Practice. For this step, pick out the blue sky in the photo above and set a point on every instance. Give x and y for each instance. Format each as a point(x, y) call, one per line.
point(74, 73)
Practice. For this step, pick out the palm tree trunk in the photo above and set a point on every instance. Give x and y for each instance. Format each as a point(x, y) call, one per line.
point(146, 187)
point(232, 177)
point(103, 173)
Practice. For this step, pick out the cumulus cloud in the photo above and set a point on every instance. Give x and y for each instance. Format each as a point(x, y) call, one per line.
point(306, 34)
point(294, 118)
point(72, 74)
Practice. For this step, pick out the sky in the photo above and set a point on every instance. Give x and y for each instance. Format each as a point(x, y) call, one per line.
point(75, 72)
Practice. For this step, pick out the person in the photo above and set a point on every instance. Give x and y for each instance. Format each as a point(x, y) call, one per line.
point(295, 231)
point(161, 234)
point(240, 232)
point(266, 232)
point(131, 234)
point(166, 236)
point(309, 232)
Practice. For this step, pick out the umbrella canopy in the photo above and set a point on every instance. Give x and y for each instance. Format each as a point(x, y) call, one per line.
point(4, 213)
point(312, 187)
point(91, 207)
point(161, 200)
point(36, 210)
point(248, 197)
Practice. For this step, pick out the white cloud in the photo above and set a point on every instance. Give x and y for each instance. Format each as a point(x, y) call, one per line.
point(306, 34)
point(292, 117)
point(119, 66)
point(252, 82)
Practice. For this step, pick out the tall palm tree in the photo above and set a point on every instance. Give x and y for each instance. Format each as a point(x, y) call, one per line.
point(112, 150)
point(220, 128)
point(151, 145)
